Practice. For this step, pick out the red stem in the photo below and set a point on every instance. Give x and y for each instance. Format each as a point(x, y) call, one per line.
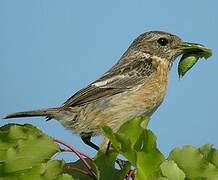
point(79, 155)
point(130, 173)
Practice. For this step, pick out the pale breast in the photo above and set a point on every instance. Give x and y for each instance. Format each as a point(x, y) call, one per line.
point(142, 100)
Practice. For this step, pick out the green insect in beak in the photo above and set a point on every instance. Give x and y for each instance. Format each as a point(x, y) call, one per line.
point(191, 54)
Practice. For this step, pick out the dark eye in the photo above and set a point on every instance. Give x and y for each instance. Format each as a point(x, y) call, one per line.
point(162, 41)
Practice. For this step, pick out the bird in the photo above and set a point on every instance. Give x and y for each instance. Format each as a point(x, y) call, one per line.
point(135, 86)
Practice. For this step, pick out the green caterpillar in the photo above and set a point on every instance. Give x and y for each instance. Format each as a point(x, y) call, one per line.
point(189, 59)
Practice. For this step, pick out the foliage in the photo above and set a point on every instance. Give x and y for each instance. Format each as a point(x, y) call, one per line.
point(27, 153)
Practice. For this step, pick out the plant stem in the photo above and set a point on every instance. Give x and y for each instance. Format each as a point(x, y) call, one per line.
point(79, 155)
point(130, 174)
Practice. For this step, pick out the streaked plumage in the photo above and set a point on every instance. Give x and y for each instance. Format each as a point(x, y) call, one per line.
point(134, 86)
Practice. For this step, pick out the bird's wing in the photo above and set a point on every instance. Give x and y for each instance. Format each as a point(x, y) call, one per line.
point(118, 79)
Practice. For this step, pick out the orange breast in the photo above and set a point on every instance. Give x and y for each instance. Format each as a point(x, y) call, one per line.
point(152, 92)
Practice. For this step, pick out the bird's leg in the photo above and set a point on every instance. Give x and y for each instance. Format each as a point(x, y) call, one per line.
point(108, 147)
point(87, 140)
point(120, 162)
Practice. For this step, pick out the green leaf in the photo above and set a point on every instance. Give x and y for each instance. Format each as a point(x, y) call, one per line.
point(210, 153)
point(103, 165)
point(126, 148)
point(23, 146)
point(170, 170)
point(51, 170)
point(109, 133)
point(138, 145)
point(129, 138)
point(121, 144)
point(205, 150)
point(149, 158)
point(106, 166)
point(133, 129)
point(193, 163)
point(78, 170)
point(9, 177)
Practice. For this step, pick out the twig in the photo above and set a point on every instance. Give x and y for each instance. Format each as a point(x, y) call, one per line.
point(67, 168)
point(130, 173)
point(79, 155)
point(69, 150)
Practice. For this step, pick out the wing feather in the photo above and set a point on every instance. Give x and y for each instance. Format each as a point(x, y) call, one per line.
point(118, 79)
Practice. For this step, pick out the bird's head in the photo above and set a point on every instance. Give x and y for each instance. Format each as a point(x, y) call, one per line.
point(163, 46)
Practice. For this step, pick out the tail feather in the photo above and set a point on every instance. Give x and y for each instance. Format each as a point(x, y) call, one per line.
point(41, 112)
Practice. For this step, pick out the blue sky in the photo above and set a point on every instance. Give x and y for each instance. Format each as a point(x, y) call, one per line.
point(50, 49)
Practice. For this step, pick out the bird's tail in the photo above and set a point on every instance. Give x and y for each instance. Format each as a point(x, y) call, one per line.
point(50, 112)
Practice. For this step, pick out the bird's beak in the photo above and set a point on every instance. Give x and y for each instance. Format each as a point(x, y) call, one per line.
point(187, 47)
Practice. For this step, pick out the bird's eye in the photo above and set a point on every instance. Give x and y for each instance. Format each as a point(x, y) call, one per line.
point(162, 41)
